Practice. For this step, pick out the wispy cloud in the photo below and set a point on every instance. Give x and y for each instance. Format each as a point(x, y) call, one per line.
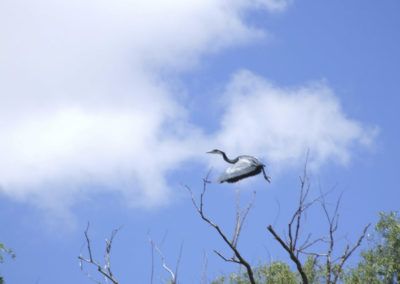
point(83, 107)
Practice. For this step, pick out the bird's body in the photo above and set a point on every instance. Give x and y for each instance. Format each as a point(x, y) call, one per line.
point(243, 166)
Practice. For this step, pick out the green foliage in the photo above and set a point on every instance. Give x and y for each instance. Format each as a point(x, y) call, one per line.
point(381, 262)
point(277, 272)
point(274, 273)
point(314, 274)
point(3, 249)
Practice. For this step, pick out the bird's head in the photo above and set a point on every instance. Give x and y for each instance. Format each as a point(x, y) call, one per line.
point(215, 151)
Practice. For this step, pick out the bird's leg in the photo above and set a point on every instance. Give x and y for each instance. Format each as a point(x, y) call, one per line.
point(265, 176)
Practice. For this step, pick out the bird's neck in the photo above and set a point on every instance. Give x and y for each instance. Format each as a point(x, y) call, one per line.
point(227, 159)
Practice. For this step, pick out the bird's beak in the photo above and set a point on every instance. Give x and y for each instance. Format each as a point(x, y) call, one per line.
point(209, 152)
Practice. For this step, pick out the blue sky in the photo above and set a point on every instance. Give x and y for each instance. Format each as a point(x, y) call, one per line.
point(107, 109)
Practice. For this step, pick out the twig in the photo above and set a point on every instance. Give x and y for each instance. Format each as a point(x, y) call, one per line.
point(108, 251)
point(232, 259)
point(152, 263)
point(295, 224)
point(347, 253)
point(333, 221)
point(308, 244)
point(178, 261)
point(204, 269)
point(241, 216)
point(164, 264)
point(106, 272)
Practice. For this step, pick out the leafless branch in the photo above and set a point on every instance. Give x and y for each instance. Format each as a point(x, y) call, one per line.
point(346, 254)
point(163, 261)
point(307, 243)
point(106, 270)
point(240, 218)
point(333, 222)
point(204, 269)
point(108, 251)
point(152, 263)
point(294, 226)
point(314, 253)
point(178, 261)
point(232, 259)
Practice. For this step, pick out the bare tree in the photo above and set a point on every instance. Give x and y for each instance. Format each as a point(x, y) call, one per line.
point(294, 249)
point(239, 220)
point(105, 269)
point(293, 243)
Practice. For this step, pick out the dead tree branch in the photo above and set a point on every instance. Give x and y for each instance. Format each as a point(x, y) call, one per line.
point(333, 221)
point(178, 261)
point(174, 275)
point(104, 270)
point(240, 218)
point(294, 226)
point(291, 245)
point(346, 254)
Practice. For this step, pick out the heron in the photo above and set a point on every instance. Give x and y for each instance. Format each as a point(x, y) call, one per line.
point(243, 166)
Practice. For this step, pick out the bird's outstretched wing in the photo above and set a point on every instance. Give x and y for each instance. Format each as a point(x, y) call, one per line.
point(241, 169)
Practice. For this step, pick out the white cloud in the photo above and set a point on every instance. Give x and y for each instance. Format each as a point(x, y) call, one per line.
point(83, 107)
point(282, 124)
point(271, 5)
point(82, 102)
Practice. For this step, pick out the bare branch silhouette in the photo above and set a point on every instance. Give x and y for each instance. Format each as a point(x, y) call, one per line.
point(291, 245)
point(333, 221)
point(346, 254)
point(294, 227)
point(240, 218)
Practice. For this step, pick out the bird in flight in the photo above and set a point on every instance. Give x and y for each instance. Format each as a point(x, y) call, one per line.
point(243, 166)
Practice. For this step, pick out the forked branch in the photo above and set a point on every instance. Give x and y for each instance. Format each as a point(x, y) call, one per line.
point(292, 246)
point(240, 218)
point(333, 221)
point(294, 225)
point(104, 270)
point(174, 275)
